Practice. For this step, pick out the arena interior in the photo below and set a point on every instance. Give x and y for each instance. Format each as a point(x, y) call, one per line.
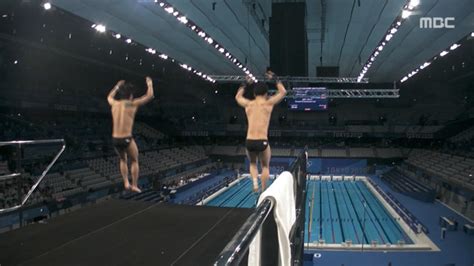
point(375, 134)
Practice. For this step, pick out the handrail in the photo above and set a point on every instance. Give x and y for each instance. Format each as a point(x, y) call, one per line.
point(41, 141)
point(8, 176)
point(234, 251)
point(41, 177)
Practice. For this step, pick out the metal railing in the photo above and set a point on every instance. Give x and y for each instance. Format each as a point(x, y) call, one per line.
point(235, 251)
point(17, 174)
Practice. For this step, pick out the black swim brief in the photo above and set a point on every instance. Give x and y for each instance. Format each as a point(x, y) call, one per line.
point(256, 145)
point(121, 144)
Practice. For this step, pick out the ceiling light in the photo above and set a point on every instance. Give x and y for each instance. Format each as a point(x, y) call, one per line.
point(169, 9)
point(388, 37)
point(413, 3)
point(93, 25)
point(405, 14)
point(454, 46)
point(163, 56)
point(404, 79)
point(472, 34)
point(100, 28)
point(47, 5)
point(425, 65)
point(204, 76)
point(380, 48)
point(210, 40)
point(443, 53)
point(393, 30)
point(175, 13)
point(151, 51)
point(183, 19)
point(117, 36)
point(128, 40)
point(162, 4)
point(221, 50)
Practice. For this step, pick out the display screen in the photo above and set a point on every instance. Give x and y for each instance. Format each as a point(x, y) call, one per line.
point(308, 99)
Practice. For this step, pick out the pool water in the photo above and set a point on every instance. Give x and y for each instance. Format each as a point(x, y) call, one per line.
point(348, 210)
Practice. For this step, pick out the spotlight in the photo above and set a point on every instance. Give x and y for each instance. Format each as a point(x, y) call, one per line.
point(454, 46)
point(169, 9)
point(47, 5)
point(128, 40)
point(380, 48)
point(100, 28)
point(183, 19)
point(404, 79)
point(93, 26)
point(175, 13)
point(413, 4)
point(443, 53)
point(117, 36)
point(405, 14)
point(472, 34)
point(163, 56)
point(162, 4)
point(393, 30)
point(425, 65)
point(221, 50)
point(210, 40)
point(388, 37)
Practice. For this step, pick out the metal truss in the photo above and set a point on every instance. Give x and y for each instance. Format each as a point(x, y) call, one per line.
point(363, 93)
point(222, 78)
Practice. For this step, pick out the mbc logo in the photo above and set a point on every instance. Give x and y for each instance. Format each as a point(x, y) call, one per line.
point(436, 23)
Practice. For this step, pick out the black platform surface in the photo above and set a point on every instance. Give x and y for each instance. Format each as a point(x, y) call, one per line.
point(121, 232)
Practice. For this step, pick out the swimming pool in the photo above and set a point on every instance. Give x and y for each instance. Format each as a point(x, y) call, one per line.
point(239, 195)
point(347, 211)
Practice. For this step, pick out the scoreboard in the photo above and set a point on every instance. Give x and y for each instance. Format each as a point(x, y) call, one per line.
point(308, 99)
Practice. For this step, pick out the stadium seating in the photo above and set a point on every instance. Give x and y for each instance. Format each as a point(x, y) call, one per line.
point(453, 168)
point(407, 185)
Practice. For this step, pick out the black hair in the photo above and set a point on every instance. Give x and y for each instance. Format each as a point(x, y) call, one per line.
point(125, 91)
point(260, 89)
